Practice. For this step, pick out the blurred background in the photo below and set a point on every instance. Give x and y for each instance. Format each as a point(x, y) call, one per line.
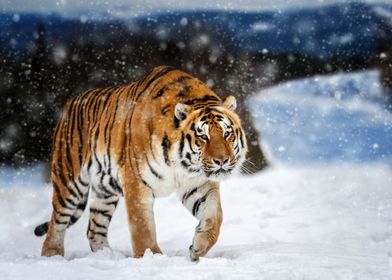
point(313, 79)
point(53, 50)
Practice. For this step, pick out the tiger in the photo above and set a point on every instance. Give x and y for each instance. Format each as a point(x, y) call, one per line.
point(165, 133)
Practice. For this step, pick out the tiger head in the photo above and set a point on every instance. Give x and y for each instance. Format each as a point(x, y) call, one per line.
point(212, 143)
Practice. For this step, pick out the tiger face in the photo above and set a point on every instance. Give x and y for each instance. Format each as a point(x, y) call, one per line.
point(213, 143)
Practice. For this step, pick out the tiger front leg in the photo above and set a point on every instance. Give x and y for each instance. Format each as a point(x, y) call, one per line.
point(139, 201)
point(204, 204)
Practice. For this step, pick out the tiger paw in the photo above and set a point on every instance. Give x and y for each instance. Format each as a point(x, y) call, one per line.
point(193, 253)
point(98, 245)
point(140, 253)
point(54, 251)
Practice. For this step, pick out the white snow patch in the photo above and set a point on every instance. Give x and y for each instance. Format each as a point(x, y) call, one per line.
point(287, 223)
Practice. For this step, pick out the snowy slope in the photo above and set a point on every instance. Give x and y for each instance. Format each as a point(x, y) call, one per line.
point(340, 117)
point(311, 217)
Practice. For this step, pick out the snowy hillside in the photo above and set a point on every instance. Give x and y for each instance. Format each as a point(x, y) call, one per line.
point(338, 117)
point(315, 214)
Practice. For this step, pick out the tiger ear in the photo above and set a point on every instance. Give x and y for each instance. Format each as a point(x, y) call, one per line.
point(230, 103)
point(181, 111)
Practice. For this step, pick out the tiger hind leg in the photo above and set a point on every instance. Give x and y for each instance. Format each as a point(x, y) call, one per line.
point(68, 204)
point(42, 229)
point(103, 203)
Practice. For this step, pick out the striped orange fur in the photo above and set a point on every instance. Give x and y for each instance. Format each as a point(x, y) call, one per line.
point(167, 132)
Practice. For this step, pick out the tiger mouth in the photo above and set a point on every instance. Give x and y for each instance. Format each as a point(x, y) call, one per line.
point(218, 172)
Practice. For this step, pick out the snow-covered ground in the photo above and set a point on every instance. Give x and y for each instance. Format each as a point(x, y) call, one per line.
point(286, 223)
point(307, 218)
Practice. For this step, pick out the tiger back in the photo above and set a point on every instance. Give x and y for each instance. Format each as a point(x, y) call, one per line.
point(165, 133)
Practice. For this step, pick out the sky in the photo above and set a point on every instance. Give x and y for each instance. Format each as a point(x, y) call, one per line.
point(140, 7)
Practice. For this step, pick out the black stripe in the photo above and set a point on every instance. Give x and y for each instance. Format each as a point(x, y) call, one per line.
point(150, 134)
point(198, 202)
point(103, 99)
point(160, 92)
point(146, 184)
point(93, 101)
point(82, 205)
point(181, 148)
point(60, 175)
point(203, 105)
point(118, 94)
point(105, 108)
point(182, 80)
point(70, 201)
point(90, 162)
point(165, 109)
point(96, 159)
point(84, 184)
point(101, 179)
point(74, 219)
point(203, 99)
point(116, 186)
point(241, 139)
point(176, 122)
point(70, 120)
point(59, 197)
point(152, 170)
point(109, 192)
point(101, 212)
point(189, 138)
point(69, 161)
point(185, 164)
point(98, 225)
point(188, 195)
point(60, 213)
point(78, 190)
point(73, 193)
point(114, 203)
point(79, 125)
point(60, 222)
point(166, 146)
point(158, 75)
point(104, 234)
point(130, 98)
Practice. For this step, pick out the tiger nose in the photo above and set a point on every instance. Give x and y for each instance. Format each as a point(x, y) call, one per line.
point(220, 161)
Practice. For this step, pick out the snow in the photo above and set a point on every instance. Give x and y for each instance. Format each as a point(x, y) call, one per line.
point(339, 117)
point(286, 223)
point(311, 217)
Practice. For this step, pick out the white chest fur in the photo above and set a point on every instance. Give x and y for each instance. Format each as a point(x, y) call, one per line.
point(170, 179)
point(166, 178)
